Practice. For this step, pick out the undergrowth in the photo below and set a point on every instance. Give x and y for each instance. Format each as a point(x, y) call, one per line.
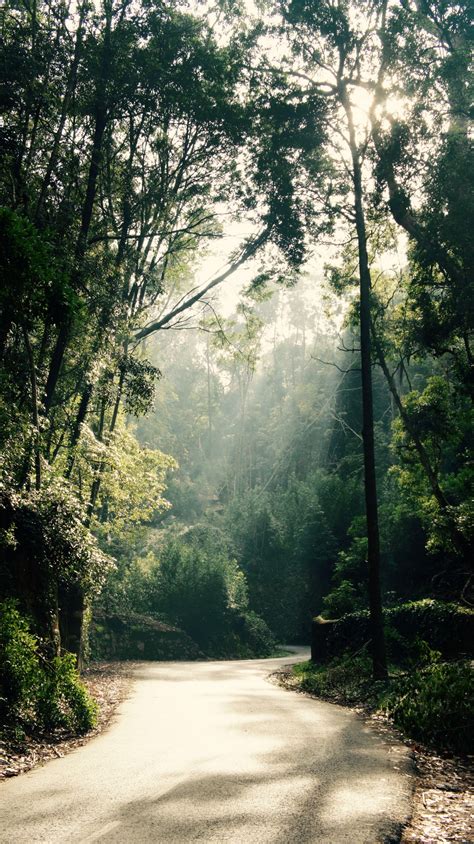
point(38, 694)
point(429, 700)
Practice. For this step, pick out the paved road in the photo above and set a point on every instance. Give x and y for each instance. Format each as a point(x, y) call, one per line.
point(213, 752)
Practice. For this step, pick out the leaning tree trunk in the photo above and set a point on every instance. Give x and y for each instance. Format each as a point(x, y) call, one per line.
point(370, 482)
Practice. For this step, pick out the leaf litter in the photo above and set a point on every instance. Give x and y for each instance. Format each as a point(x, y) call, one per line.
point(108, 683)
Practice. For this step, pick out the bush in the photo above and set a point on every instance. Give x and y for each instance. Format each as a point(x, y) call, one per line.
point(255, 633)
point(35, 692)
point(133, 636)
point(434, 705)
point(346, 680)
point(63, 702)
point(341, 600)
point(446, 627)
point(19, 667)
point(189, 587)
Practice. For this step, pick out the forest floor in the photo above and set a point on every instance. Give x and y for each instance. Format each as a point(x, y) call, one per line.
point(107, 682)
point(443, 808)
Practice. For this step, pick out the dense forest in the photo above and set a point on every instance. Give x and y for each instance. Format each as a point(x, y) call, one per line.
point(236, 326)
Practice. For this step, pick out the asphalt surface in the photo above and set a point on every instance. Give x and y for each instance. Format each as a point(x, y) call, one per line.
point(213, 752)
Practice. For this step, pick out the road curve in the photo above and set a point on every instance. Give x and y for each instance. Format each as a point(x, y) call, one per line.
point(212, 752)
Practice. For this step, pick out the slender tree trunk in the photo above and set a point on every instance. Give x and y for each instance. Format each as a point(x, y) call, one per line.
point(370, 482)
point(6, 322)
point(34, 410)
point(95, 489)
point(60, 347)
point(101, 118)
point(209, 399)
point(81, 415)
point(70, 87)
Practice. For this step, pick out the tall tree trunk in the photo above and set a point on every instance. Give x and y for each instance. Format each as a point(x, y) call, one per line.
point(209, 400)
point(80, 418)
point(370, 482)
point(96, 484)
point(101, 117)
point(34, 410)
point(68, 94)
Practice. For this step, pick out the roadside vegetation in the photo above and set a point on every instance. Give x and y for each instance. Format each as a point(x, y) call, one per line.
point(429, 693)
point(430, 701)
point(38, 696)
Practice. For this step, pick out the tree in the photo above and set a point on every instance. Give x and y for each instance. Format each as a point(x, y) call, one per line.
point(337, 49)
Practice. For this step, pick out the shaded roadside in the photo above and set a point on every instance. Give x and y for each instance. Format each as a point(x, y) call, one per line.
point(443, 798)
point(109, 683)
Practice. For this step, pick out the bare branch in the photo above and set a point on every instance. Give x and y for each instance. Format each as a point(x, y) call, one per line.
point(249, 250)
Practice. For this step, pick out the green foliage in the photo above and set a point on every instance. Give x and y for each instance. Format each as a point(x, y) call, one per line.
point(63, 702)
point(341, 600)
point(349, 575)
point(101, 228)
point(47, 542)
point(36, 693)
point(19, 666)
point(255, 634)
point(26, 269)
point(192, 582)
point(445, 627)
point(120, 636)
point(347, 679)
point(434, 705)
point(132, 483)
point(286, 548)
point(442, 419)
point(191, 589)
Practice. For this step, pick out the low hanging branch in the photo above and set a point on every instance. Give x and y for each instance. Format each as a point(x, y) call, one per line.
point(248, 252)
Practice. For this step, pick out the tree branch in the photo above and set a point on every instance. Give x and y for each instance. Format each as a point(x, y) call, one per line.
point(248, 252)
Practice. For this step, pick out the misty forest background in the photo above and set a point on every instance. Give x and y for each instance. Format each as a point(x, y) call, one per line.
point(236, 333)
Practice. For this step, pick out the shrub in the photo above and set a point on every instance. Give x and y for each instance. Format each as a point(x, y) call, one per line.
point(256, 634)
point(35, 692)
point(346, 679)
point(446, 627)
point(20, 672)
point(133, 636)
point(340, 600)
point(63, 702)
point(434, 705)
